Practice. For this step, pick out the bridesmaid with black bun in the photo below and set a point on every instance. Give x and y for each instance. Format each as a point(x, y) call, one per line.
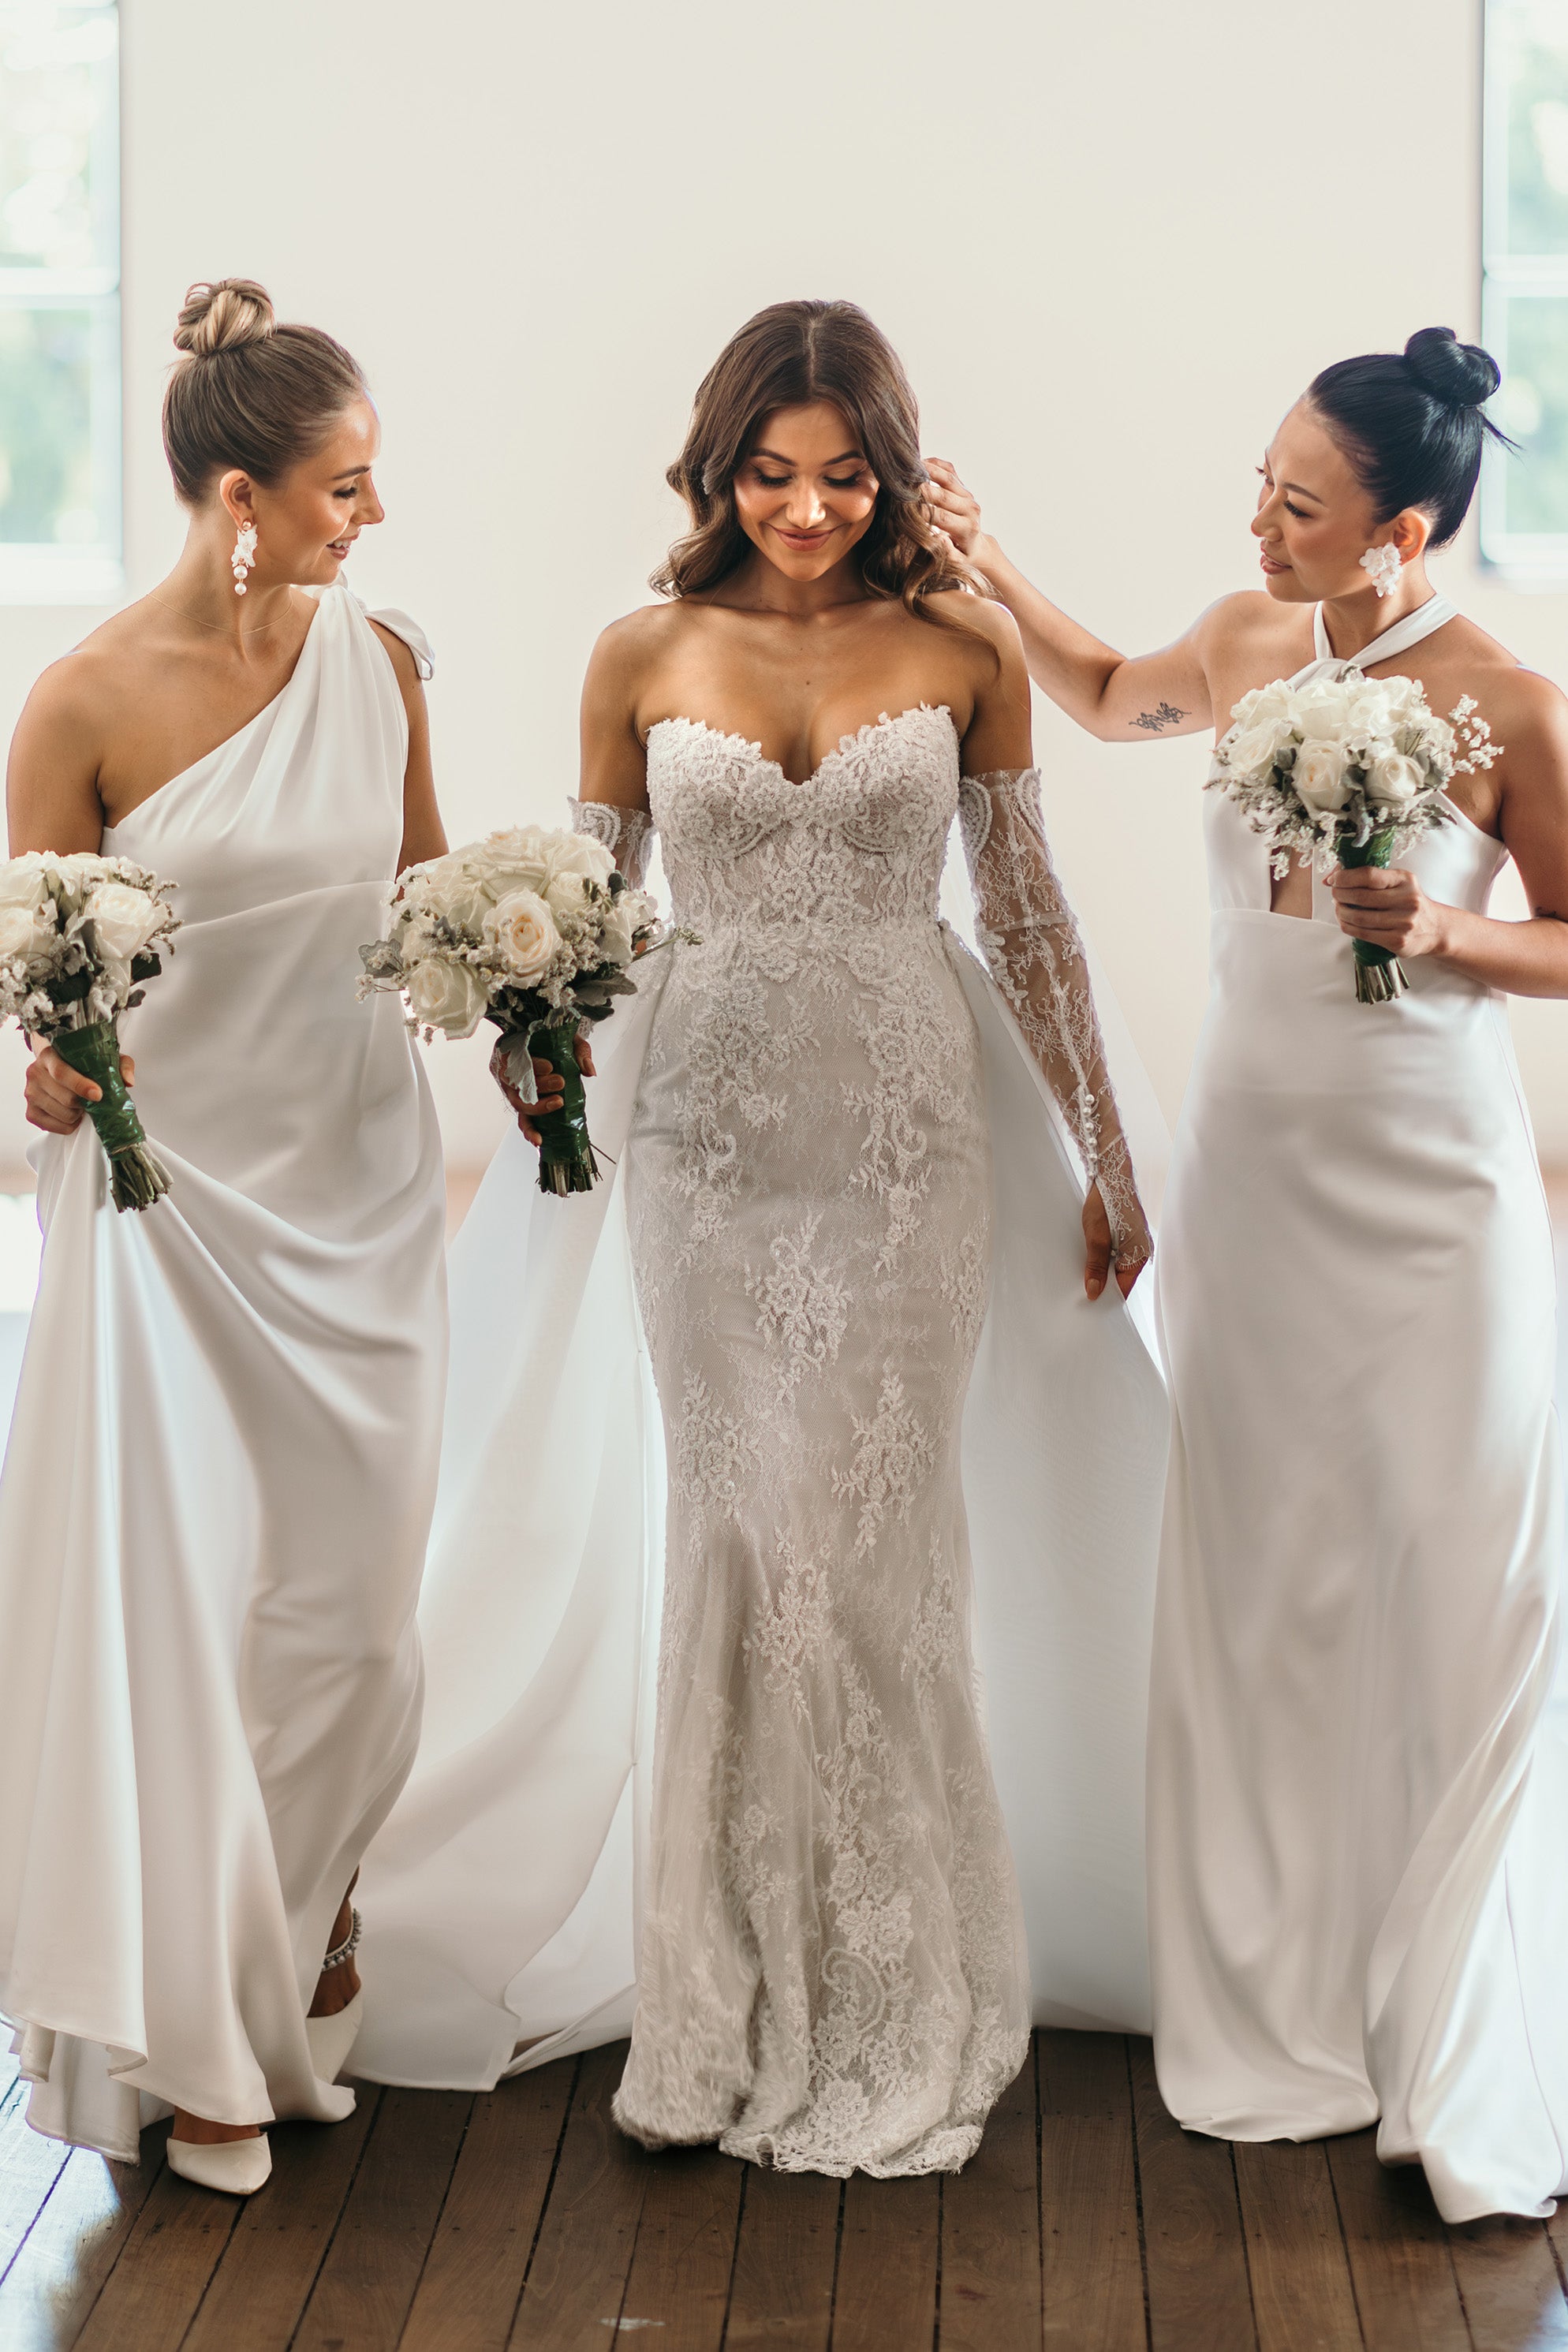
point(1358, 1778)
point(215, 1504)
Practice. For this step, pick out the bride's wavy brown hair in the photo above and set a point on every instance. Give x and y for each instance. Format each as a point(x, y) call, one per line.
point(788, 355)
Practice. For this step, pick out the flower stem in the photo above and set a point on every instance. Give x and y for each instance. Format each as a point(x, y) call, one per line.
point(1380, 976)
point(137, 1177)
point(566, 1160)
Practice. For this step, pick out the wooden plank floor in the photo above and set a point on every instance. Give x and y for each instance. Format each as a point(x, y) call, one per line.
point(435, 2222)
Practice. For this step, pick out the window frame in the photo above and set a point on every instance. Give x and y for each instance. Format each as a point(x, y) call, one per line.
point(46, 571)
point(1525, 558)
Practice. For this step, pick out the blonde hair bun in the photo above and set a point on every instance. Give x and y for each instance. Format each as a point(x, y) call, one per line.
point(223, 317)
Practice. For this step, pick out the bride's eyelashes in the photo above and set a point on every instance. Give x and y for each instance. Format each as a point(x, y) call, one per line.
point(782, 481)
point(1264, 475)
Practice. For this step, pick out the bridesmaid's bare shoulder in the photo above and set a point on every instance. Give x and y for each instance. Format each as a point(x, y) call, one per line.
point(1528, 715)
point(74, 704)
point(1245, 640)
point(1249, 623)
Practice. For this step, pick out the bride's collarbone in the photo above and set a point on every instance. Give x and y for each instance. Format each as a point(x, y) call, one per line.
point(798, 693)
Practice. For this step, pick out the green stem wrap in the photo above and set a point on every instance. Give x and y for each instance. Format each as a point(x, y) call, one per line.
point(137, 1178)
point(566, 1161)
point(1379, 975)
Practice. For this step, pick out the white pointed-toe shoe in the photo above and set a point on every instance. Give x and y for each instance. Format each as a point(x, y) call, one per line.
point(238, 2167)
point(331, 2038)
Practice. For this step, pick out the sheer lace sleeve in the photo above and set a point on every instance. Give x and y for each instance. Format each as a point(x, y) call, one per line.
point(1031, 944)
point(626, 834)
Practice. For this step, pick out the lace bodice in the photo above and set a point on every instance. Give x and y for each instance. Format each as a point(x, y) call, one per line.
point(860, 847)
point(861, 842)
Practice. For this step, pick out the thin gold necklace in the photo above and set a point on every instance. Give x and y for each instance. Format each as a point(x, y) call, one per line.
point(217, 626)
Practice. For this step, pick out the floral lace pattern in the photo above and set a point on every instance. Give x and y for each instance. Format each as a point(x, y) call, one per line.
point(1031, 943)
point(832, 1972)
point(626, 834)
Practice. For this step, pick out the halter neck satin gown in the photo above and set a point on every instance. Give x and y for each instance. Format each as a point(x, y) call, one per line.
point(1358, 1784)
point(221, 1468)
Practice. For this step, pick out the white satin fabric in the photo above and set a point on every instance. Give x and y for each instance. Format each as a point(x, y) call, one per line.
point(504, 1899)
point(1357, 1776)
point(221, 1467)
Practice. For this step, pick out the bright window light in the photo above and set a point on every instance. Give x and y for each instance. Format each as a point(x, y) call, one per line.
point(60, 302)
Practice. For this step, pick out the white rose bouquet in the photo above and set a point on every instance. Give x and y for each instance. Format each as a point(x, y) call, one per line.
point(1349, 769)
point(533, 930)
point(79, 938)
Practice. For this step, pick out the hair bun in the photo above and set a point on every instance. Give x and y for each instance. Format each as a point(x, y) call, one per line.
point(223, 317)
point(1461, 374)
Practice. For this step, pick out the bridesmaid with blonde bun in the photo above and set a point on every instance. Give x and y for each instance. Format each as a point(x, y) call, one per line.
point(214, 1504)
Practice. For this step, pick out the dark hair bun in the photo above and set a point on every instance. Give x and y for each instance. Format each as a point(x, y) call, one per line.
point(223, 317)
point(1461, 374)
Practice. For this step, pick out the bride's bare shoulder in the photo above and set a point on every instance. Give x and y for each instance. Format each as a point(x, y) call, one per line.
point(629, 648)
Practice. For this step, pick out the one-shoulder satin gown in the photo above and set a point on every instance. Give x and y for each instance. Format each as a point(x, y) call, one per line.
point(216, 1494)
point(1358, 1787)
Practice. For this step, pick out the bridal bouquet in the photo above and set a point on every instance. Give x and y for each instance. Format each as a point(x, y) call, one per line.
point(533, 930)
point(79, 936)
point(1349, 768)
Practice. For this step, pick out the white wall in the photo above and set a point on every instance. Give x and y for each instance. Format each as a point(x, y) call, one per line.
point(1110, 242)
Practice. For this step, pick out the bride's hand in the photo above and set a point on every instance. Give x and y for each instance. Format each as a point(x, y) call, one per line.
point(1387, 908)
point(953, 510)
point(1097, 1249)
point(549, 1086)
point(57, 1096)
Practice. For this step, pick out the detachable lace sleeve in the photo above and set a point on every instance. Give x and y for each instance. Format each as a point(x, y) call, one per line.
point(1031, 943)
point(626, 834)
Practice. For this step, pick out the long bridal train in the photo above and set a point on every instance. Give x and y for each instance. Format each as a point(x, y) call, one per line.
point(502, 1900)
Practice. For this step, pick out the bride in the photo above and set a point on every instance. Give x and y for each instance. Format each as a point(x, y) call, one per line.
point(1357, 1778)
point(833, 1965)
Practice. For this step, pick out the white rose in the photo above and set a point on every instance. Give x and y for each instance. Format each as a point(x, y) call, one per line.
point(1265, 704)
point(620, 921)
point(24, 881)
point(516, 859)
point(1319, 777)
point(580, 854)
point(1253, 750)
point(1392, 780)
point(123, 919)
point(1324, 713)
point(449, 887)
point(523, 929)
point(567, 896)
point(18, 932)
point(447, 996)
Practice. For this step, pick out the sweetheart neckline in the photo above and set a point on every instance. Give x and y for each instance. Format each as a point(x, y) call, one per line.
point(846, 743)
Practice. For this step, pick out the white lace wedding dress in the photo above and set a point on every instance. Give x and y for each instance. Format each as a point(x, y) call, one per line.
point(833, 1974)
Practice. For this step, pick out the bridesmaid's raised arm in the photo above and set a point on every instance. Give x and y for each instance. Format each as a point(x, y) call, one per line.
point(1119, 697)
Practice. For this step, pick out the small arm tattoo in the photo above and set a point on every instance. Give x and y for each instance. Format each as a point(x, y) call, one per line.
point(1550, 914)
point(1155, 721)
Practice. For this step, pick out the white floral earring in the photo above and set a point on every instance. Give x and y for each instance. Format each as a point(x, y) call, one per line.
point(244, 556)
point(1382, 565)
